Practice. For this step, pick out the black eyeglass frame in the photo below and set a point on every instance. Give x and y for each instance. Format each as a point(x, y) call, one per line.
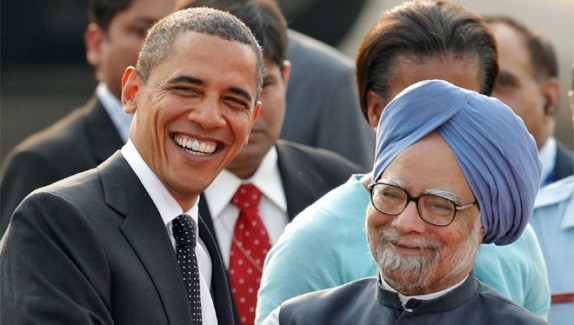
point(410, 198)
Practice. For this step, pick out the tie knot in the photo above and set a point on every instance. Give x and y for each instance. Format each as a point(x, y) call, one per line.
point(246, 197)
point(183, 228)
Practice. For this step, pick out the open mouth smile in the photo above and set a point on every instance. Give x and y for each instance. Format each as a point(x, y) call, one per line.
point(195, 146)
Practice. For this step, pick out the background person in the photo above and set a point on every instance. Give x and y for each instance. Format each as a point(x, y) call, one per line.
point(93, 132)
point(528, 83)
point(553, 221)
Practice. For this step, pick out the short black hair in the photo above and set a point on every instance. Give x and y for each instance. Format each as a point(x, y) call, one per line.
point(101, 12)
point(263, 17)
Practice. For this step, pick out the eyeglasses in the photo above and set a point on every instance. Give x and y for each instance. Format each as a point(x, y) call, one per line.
point(432, 209)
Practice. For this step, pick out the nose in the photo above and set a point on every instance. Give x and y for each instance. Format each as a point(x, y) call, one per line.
point(409, 220)
point(208, 114)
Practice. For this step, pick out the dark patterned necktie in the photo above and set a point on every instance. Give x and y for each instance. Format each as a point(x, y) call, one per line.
point(183, 228)
point(249, 247)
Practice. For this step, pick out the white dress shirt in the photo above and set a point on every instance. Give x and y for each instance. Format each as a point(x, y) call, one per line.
point(169, 209)
point(122, 121)
point(272, 207)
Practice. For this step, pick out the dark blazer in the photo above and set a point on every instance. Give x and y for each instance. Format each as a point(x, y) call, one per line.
point(307, 174)
point(564, 164)
point(323, 104)
point(364, 301)
point(80, 141)
point(93, 249)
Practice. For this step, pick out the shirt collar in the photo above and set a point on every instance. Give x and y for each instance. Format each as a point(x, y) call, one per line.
point(548, 158)
point(404, 299)
point(167, 206)
point(267, 179)
point(122, 121)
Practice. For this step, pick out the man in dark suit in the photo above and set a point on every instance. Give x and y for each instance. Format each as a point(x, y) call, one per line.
point(323, 104)
point(528, 83)
point(289, 176)
point(90, 134)
point(103, 246)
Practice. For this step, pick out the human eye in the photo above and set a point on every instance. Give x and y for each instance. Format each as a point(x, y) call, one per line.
point(237, 103)
point(438, 205)
point(268, 82)
point(505, 81)
point(141, 30)
point(391, 194)
point(186, 90)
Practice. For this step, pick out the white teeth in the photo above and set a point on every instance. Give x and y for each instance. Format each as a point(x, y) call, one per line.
point(195, 145)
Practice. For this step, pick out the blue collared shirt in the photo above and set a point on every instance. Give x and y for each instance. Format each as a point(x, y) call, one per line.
point(553, 222)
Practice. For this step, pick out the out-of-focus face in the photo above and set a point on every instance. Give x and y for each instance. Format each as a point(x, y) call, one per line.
point(516, 85)
point(464, 72)
point(195, 111)
point(416, 257)
point(112, 51)
point(268, 125)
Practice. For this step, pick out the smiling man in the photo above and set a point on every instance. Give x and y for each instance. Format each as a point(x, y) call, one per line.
point(446, 177)
point(285, 176)
point(118, 244)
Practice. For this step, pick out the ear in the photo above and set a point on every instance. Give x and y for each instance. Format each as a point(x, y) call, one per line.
point(551, 93)
point(375, 105)
point(130, 87)
point(256, 110)
point(482, 231)
point(286, 72)
point(94, 37)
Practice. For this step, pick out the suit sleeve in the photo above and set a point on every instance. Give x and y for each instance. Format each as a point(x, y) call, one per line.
point(22, 174)
point(343, 128)
point(52, 269)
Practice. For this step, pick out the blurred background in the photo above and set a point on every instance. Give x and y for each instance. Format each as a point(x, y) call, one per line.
point(44, 74)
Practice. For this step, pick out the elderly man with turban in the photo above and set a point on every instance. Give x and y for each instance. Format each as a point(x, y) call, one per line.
point(453, 168)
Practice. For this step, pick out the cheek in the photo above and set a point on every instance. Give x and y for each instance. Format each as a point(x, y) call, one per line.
point(374, 218)
point(240, 125)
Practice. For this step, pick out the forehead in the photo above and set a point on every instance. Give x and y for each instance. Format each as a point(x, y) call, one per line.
point(213, 60)
point(462, 71)
point(511, 46)
point(146, 10)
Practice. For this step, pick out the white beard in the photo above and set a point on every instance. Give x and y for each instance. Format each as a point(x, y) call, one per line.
point(408, 274)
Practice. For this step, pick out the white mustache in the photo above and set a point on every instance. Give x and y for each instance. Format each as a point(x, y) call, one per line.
point(392, 236)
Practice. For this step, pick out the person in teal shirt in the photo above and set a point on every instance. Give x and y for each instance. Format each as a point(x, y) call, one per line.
point(325, 245)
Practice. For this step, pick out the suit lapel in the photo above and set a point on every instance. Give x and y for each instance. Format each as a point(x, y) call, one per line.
point(144, 229)
point(205, 215)
point(219, 285)
point(295, 186)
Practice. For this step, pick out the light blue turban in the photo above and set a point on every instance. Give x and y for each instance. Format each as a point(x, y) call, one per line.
point(496, 153)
